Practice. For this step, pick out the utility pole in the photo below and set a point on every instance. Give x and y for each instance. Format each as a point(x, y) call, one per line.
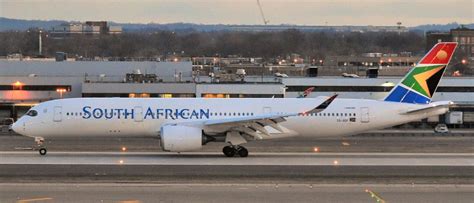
point(265, 21)
point(40, 51)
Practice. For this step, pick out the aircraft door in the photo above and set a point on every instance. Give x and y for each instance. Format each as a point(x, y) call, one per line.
point(267, 110)
point(364, 114)
point(58, 113)
point(138, 114)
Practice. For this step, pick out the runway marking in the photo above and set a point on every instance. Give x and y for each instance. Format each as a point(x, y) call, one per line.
point(374, 195)
point(35, 199)
point(257, 159)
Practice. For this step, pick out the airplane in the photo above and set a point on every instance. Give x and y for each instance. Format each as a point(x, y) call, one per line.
point(306, 93)
point(186, 124)
point(349, 75)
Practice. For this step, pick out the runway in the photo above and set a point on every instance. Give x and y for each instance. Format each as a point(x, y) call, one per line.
point(214, 167)
point(395, 168)
point(255, 159)
point(372, 142)
point(136, 193)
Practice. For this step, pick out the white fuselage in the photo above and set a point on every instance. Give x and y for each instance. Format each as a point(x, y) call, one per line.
point(145, 116)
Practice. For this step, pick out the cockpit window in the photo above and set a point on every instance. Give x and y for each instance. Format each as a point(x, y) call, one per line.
point(32, 113)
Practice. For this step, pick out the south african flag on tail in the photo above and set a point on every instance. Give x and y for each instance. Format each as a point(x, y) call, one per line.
point(419, 85)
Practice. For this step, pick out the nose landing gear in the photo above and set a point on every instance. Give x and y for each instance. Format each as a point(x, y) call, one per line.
point(42, 151)
point(39, 146)
point(232, 150)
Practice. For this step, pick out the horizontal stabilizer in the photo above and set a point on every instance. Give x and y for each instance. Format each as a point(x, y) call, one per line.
point(432, 106)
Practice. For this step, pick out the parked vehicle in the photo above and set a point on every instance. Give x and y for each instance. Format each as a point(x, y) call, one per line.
point(441, 128)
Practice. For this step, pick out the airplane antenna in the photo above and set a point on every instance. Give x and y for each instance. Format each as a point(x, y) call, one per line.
point(265, 21)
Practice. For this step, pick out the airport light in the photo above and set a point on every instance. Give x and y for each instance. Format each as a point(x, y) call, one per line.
point(124, 149)
point(336, 162)
point(17, 85)
point(315, 149)
point(61, 91)
point(388, 84)
point(464, 61)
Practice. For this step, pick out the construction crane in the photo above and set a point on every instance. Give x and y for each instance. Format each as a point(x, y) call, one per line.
point(265, 21)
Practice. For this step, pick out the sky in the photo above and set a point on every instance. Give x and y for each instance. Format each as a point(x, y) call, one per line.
point(300, 12)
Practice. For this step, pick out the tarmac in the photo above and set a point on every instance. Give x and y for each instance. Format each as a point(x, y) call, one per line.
point(392, 167)
point(136, 193)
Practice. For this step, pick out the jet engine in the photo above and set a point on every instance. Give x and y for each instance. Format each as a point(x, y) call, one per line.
point(175, 138)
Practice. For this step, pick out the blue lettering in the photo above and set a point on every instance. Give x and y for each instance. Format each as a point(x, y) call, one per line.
point(177, 114)
point(194, 114)
point(169, 113)
point(149, 112)
point(128, 113)
point(87, 113)
point(111, 113)
point(184, 113)
point(159, 113)
point(119, 113)
point(204, 113)
point(97, 113)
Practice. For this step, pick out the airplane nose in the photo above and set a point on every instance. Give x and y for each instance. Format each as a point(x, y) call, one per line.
point(16, 127)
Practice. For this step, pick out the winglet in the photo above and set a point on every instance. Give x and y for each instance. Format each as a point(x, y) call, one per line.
point(323, 105)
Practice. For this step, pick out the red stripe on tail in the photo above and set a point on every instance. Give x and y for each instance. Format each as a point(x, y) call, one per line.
point(440, 54)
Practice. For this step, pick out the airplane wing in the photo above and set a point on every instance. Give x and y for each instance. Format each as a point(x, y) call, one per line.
point(254, 126)
point(431, 106)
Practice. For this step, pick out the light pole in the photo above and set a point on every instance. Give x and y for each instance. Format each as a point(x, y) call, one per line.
point(40, 51)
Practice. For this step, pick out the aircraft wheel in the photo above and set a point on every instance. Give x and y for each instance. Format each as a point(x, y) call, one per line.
point(243, 152)
point(43, 151)
point(229, 151)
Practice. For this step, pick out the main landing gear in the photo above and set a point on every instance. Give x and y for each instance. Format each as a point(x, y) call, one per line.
point(39, 146)
point(232, 150)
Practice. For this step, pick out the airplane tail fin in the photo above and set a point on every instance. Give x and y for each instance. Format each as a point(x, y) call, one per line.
point(306, 93)
point(419, 85)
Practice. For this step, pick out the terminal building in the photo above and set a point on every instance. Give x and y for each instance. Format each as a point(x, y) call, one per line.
point(26, 83)
point(88, 28)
